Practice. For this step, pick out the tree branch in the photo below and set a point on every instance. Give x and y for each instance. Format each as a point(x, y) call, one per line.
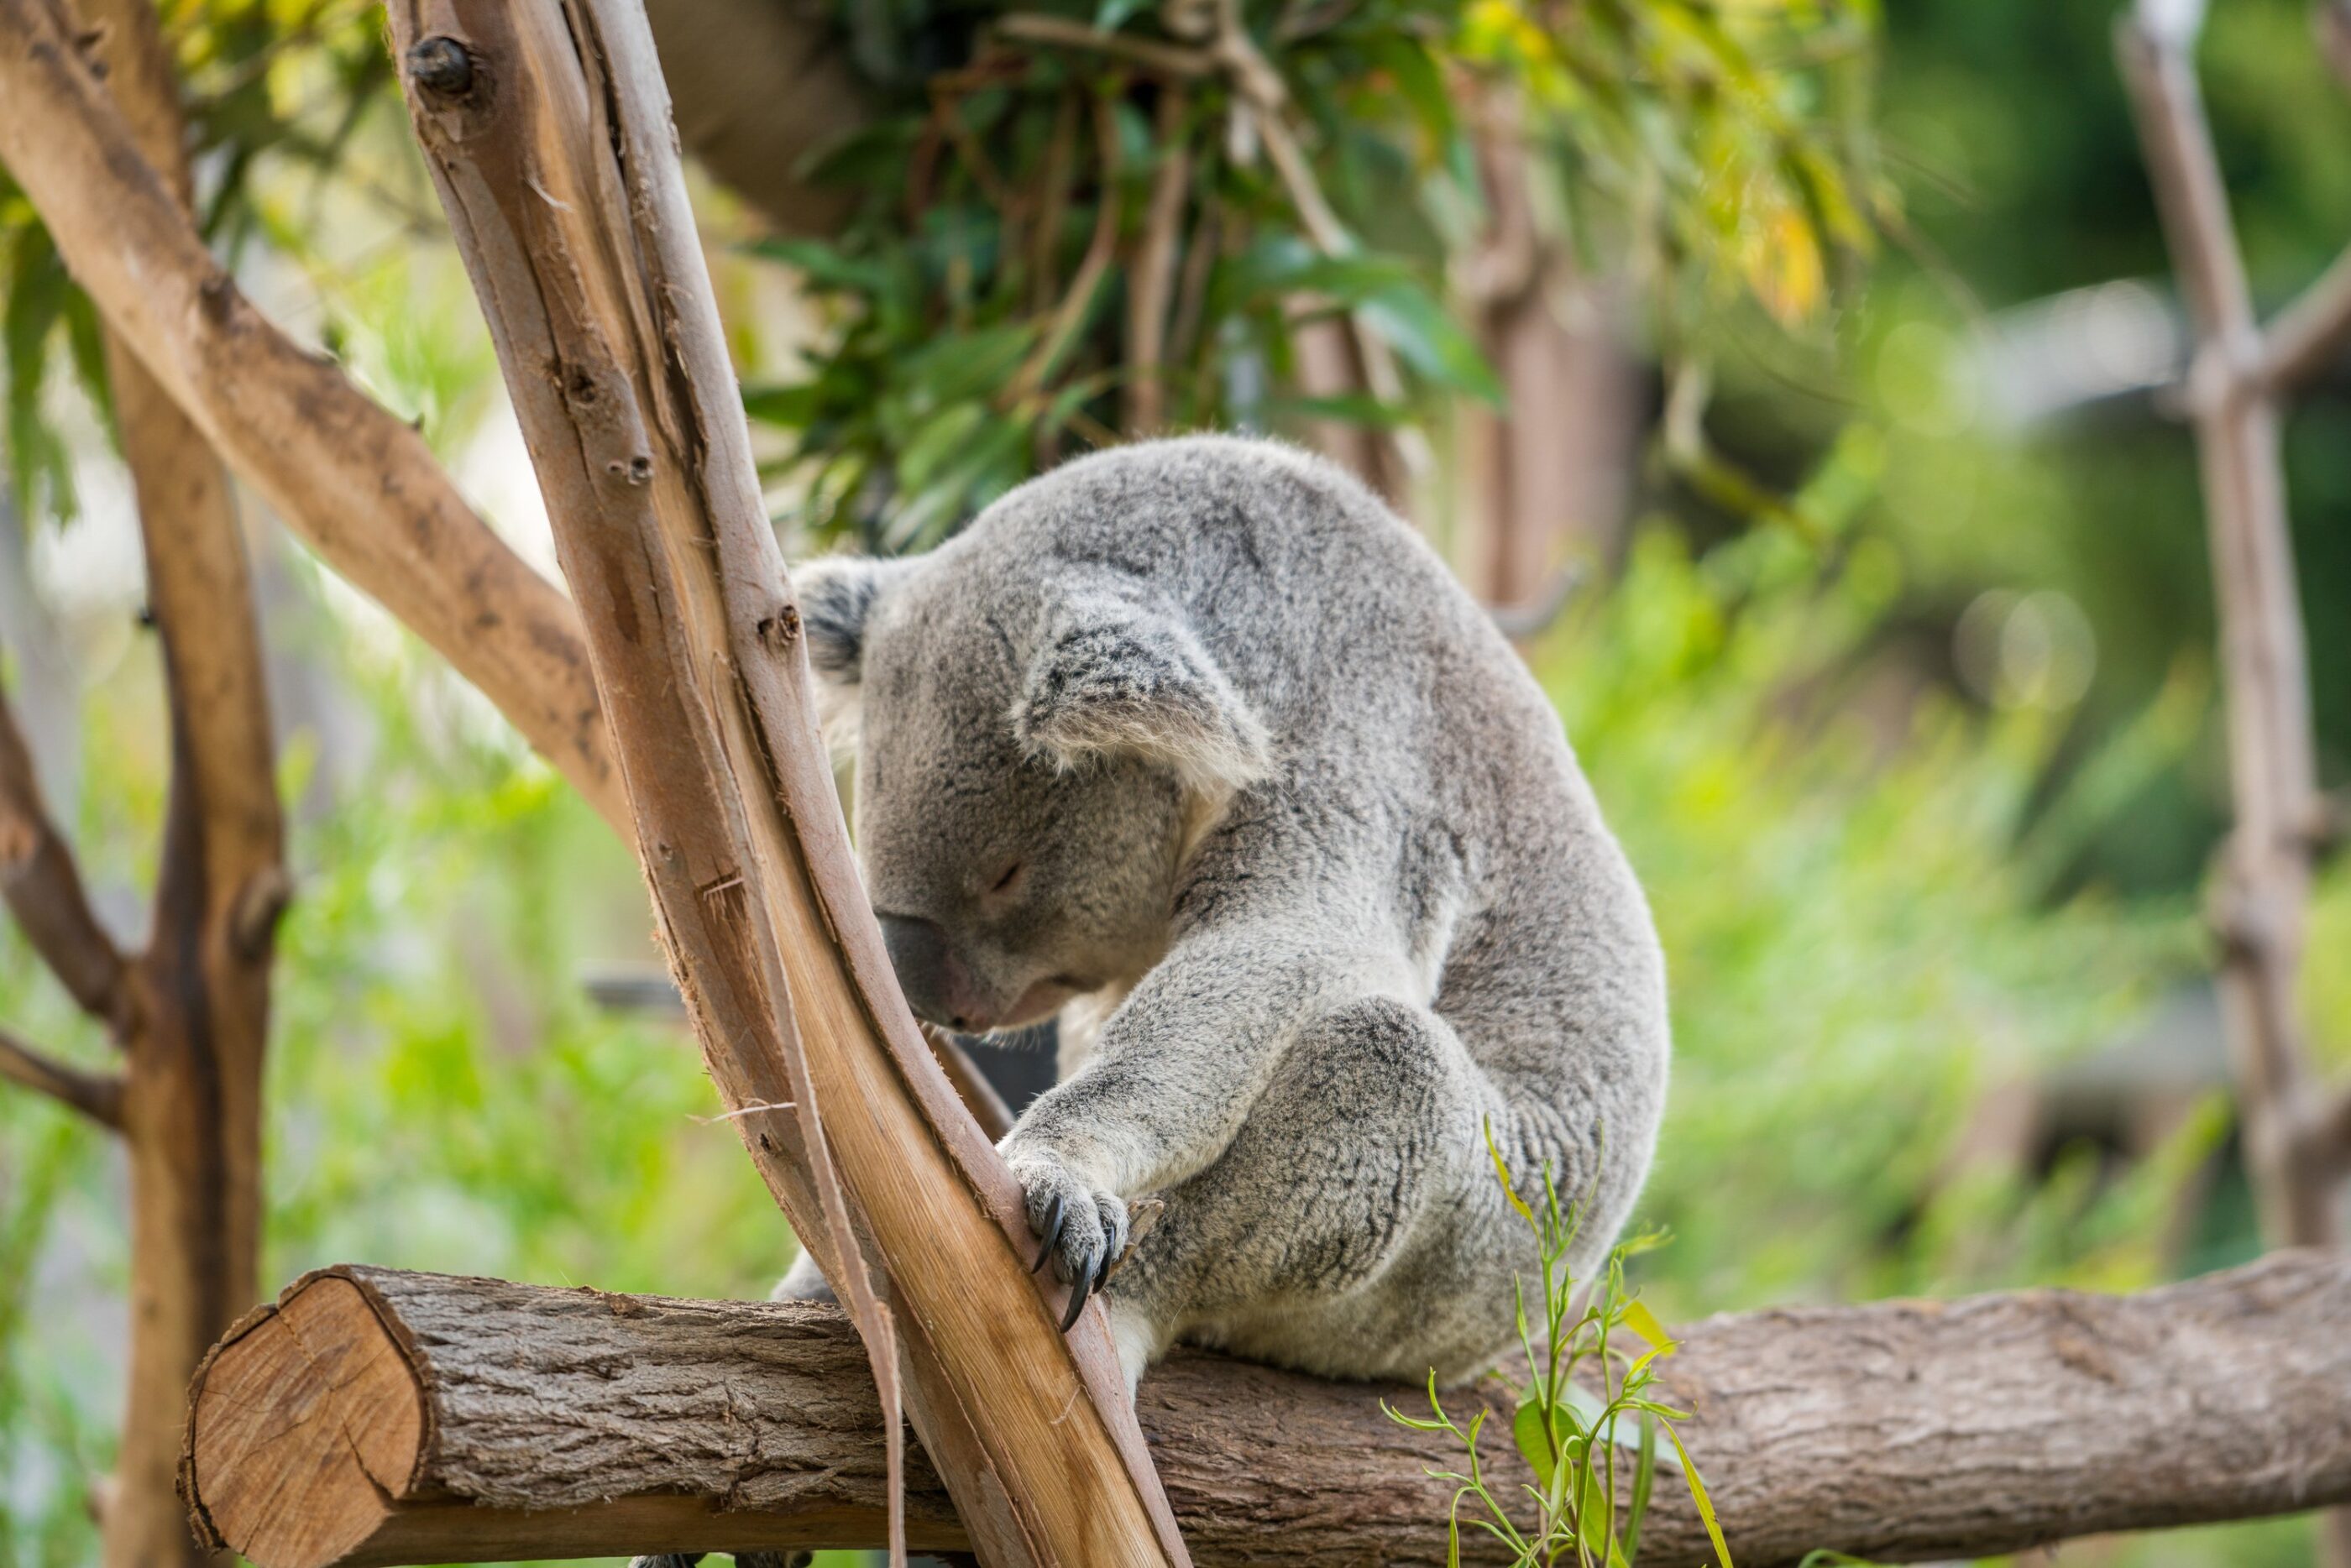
point(43, 889)
point(547, 131)
point(2311, 336)
point(1153, 284)
point(355, 483)
point(98, 1096)
point(491, 1420)
point(2265, 885)
point(1061, 31)
point(224, 874)
point(2327, 1137)
point(2260, 902)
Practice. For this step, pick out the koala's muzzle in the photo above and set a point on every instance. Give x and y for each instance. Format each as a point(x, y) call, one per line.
point(937, 986)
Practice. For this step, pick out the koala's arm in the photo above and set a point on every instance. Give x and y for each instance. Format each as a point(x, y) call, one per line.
point(1179, 1065)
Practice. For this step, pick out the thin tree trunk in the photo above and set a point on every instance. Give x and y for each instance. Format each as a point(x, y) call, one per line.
point(382, 1417)
point(548, 131)
point(2237, 376)
point(190, 1012)
point(1547, 477)
point(2264, 881)
point(191, 1106)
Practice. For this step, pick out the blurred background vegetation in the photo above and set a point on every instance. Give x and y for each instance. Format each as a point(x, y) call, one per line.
point(1822, 346)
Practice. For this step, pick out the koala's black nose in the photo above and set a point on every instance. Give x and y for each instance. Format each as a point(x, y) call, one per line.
point(918, 953)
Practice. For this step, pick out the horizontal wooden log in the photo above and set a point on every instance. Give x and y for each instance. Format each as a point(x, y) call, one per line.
point(375, 1416)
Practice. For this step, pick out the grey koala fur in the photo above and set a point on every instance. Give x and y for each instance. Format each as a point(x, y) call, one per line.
point(1197, 742)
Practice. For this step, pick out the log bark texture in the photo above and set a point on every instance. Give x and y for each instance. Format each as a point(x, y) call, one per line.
point(548, 131)
point(374, 1417)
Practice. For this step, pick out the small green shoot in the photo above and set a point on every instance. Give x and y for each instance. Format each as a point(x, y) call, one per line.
point(1590, 1450)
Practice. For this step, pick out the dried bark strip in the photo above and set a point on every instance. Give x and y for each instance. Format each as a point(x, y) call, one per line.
point(548, 131)
point(380, 1417)
point(355, 483)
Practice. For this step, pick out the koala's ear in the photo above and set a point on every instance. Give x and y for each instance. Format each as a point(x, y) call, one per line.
point(1114, 678)
point(837, 595)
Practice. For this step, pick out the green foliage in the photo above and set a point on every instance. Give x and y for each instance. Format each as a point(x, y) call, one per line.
point(44, 1155)
point(431, 1022)
point(1722, 147)
point(1578, 1443)
point(1856, 949)
point(977, 299)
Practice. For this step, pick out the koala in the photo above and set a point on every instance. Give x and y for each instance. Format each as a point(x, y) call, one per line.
point(1197, 745)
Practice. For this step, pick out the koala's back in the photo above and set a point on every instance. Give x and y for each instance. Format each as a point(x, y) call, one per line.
point(1424, 789)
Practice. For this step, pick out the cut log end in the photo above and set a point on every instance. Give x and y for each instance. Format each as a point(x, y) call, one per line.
point(303, 1424)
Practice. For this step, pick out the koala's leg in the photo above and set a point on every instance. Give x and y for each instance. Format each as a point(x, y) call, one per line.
point(1328, 1234)
point(803, 1282)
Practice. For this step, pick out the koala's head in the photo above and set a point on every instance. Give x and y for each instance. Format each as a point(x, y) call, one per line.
point(1034, 762)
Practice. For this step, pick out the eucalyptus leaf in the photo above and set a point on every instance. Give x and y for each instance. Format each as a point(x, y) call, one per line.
point(1431, 341)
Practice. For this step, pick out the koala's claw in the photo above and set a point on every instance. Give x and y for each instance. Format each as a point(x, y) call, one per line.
point(1082, 1230)
point(1078, 1293)
point(1054, 1219)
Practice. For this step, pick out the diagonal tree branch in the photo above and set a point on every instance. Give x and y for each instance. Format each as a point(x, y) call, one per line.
point(2311, 336)
point(43, 889)
point(354, 482)
point(547, 130)
point(98, 1096)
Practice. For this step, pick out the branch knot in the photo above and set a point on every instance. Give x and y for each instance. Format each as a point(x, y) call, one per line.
point(441, 66)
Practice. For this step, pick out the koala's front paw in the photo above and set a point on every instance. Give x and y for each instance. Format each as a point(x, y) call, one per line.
point(1082, 1230)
